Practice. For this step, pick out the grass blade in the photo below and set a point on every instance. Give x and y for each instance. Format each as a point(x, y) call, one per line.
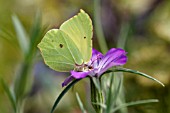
point(63, 93)
point(134, 72)
point(37, 32)
point(139, 73)
point(117, 90)
point(98, 26)
point(9, 93)
point(23, 81)
point(135, 103)
point(100, 104)
point(109, 95)
point(21, 34)
point(80, 103)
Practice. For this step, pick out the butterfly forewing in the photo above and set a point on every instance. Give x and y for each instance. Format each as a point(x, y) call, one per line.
point(79, 28)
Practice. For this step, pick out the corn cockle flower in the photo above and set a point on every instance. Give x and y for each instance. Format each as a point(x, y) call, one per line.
point(98, 64)
point(95, 69)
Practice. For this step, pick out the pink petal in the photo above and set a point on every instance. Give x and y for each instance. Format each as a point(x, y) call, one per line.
point(116, 62)
point(67, 81)
point(95, 56)
point(114, 57)
point(79, 75)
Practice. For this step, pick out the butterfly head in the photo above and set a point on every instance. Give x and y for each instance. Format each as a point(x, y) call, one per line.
point(82, 67)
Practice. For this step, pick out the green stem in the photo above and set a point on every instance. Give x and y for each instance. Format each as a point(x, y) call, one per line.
point(122, 39)
point(124, 33)
point(96, 97)
point(110, 96)
point(98, 26)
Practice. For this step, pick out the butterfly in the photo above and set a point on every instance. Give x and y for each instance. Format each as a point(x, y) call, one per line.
point(69, 46)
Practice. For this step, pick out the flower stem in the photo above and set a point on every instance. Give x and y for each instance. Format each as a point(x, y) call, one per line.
point(96, 97)
point(98, 26)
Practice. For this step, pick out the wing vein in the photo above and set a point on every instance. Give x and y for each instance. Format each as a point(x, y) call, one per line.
point(60, 62)
point(60, 54)
point(69, 49)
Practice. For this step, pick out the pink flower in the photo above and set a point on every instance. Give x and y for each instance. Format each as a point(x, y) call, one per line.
point(98, 64)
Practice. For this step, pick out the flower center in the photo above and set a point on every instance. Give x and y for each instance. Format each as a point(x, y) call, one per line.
point(83, 67)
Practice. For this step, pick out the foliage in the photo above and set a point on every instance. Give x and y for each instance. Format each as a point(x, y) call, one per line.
point(139, 27)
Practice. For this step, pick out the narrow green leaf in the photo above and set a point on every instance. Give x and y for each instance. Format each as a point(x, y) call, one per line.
point(110, 94)
point(123, 35)
point(63, 93)
point(135, 72)
point(100, 104)
point(21, 34)
point(117, 90)
point(120, 99)
point(9, 94)
point(135, 103)
point(98, 26)
point(80, 103)
point(6, 34)
point(23, 81)
point(139, 73)
point(37, 32)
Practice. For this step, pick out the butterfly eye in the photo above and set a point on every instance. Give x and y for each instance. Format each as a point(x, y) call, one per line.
point(84, 37)
point(90, 67)
point(61, 45)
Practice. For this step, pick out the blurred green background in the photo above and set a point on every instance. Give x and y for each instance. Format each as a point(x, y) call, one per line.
point(144, 23)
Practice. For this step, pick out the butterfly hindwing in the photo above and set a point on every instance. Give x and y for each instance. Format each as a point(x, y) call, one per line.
point(59, 51)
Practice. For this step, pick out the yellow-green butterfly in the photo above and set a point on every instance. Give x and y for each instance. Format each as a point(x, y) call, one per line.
point(70, 45)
